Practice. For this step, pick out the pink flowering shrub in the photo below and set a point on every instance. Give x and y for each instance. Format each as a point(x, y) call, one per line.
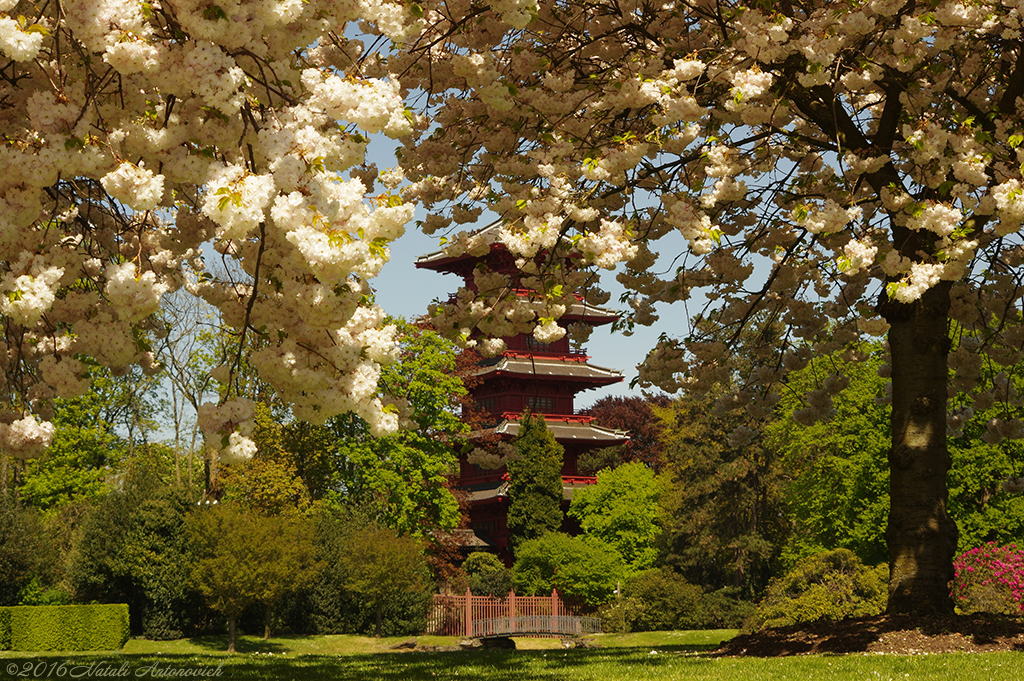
point(990, 578)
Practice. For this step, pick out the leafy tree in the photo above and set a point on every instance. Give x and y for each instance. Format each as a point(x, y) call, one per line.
point(633, 415)
point(622, 510)
point(724, 517)
point(85, 448)
point(22, 548)
point(381, 565)
point(838, 488)
point(587, 568)
point(535, 483)
point(244, 558)
point(487, 575)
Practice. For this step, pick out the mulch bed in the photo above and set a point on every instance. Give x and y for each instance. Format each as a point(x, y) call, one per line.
point(902, 635)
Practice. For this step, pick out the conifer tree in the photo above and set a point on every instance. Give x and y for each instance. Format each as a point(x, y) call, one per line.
point(535, 483)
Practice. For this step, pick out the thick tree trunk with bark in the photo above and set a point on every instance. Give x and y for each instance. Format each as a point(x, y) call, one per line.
point(921, 536)
point(266, 621)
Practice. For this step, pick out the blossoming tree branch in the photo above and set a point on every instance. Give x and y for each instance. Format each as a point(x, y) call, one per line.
point(817, 171)
point(137, 133)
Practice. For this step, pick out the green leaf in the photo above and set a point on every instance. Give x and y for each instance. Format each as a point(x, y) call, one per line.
point(214, 13)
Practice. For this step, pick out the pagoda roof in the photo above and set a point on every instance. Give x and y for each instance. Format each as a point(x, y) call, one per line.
point(566, 430)
point(557, 368)
point(499, 490)
point(439, 260)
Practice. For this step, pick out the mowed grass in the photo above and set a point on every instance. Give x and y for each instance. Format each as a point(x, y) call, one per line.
point(623, 657)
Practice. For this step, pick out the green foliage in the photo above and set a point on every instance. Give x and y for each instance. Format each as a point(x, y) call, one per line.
point(403, 479)
point(427, 375)
point(831, 585)
point(65, 627)
point(622, 510)
point(838, 489)
point(22, 548)
point(246, 558)
point(619, 614)
point(487, 575)
point(84, 448)
point(838, 492)
point(266, 486)
point(724, 519)
point(667, 601)
point(535, 483)
point(132, 547)
point(379, 565)
point(5, 628)
point(587, 568)
point(661, 600)
point(38, 593)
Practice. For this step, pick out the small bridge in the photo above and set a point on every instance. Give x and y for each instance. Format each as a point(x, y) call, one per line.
point(488, 617)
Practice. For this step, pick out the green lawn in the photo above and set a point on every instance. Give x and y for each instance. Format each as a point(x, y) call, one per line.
point(625, 657)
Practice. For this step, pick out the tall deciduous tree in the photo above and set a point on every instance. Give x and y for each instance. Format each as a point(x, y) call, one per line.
point(535, 483)
point(840, 167)
point(622, 510)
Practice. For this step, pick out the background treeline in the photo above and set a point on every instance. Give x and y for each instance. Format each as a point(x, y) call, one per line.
point(705, 519)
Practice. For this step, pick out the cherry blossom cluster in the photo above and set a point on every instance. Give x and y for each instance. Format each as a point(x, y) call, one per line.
point(142, 138)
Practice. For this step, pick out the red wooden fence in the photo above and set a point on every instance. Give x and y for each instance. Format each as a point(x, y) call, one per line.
point(469, 615)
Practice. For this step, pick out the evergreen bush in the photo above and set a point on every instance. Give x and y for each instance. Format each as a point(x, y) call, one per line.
point(66, 627)
point(5, 628)
point(826, 586)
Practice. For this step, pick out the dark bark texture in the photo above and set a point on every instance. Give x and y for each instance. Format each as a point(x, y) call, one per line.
point(921, 536)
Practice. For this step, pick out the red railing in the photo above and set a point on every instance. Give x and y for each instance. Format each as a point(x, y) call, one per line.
point(480, 616)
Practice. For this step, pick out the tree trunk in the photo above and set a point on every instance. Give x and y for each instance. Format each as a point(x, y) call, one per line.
point(266, 622)
point(231, 634)
point(380, 608)
point(921, 536)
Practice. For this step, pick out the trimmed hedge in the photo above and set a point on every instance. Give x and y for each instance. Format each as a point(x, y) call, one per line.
point(64, 627)
point(5, 628)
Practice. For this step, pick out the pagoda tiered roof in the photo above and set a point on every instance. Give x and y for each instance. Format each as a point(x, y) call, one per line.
point(559, 367)
point(567, 428)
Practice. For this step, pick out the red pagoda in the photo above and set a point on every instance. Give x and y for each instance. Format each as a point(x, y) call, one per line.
point(528, 375)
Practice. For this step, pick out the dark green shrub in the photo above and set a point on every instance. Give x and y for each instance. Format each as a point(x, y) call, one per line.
point(668, 601)
point(68, 627)
point(726, 609)
point(619, 615)
point(830, 586)
point(487, 575)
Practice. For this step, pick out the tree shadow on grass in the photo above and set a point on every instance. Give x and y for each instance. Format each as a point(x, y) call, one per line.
point(243, 644)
